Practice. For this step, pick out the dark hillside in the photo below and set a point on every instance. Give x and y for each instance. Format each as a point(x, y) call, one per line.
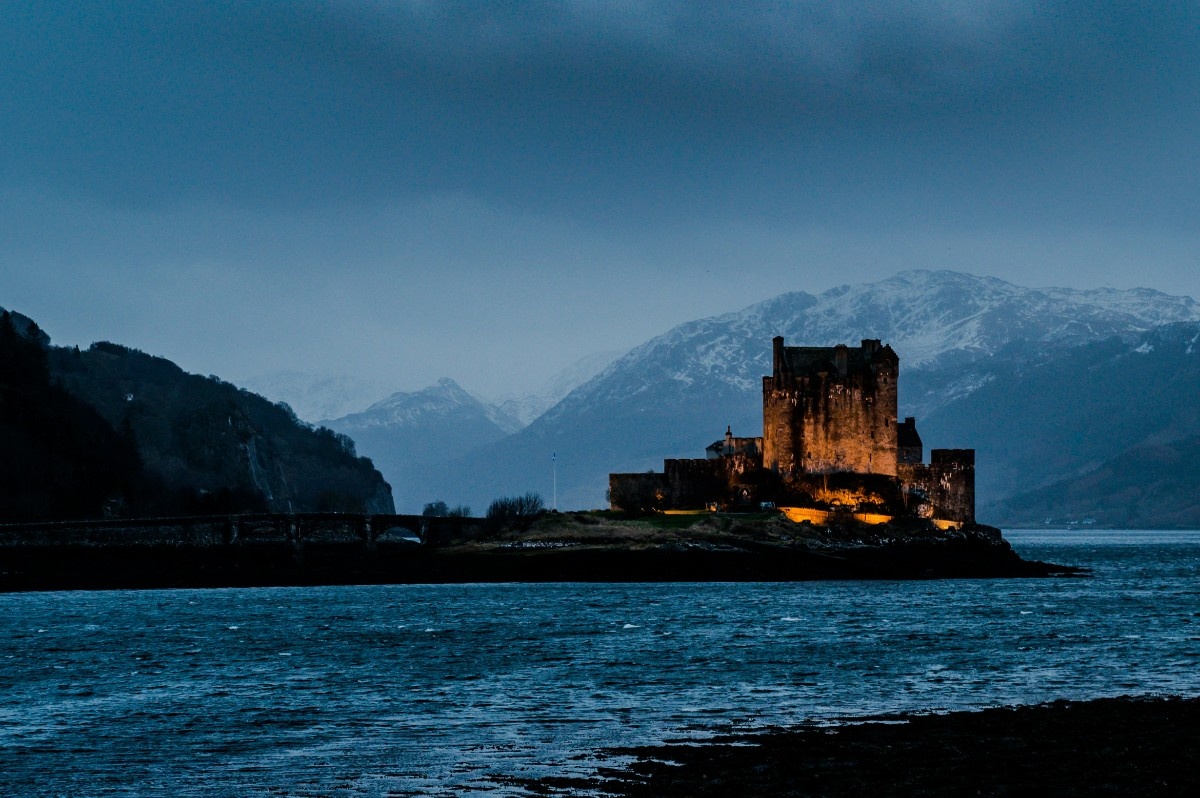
point(60, 458)
point(111, 431)
point(1153, 487)
point(1106, 431)
point(216, 447)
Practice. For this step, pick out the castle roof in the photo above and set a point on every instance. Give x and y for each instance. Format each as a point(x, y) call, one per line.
point(814, 359)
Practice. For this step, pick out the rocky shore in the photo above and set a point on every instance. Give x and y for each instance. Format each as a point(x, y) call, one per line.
point(762, 547)
point(1109, 746)
point(557, 547)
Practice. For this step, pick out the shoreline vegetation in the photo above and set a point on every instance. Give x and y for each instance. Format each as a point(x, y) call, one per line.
point(599, 546)
point(606, 546)
point(1130, 745)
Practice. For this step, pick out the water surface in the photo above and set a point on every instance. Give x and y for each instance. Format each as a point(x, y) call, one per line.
point(435, 690)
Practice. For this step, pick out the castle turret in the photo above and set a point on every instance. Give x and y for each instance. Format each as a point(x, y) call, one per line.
point(778, 360)
point(841, 360)
point(909, 447)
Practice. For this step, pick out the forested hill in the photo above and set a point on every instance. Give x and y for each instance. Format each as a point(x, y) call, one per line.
point(113, 430)
point(60, 458)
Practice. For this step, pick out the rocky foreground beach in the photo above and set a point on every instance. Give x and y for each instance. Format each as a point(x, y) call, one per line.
point(1111, 746)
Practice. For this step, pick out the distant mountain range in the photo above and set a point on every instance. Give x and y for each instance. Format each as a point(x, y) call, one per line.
point(956, 335)
point(408, 433)
point(526, 408)
point(1082, 404)
point(316, 397)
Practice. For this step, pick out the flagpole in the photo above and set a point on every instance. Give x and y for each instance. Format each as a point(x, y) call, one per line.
point(554, 472)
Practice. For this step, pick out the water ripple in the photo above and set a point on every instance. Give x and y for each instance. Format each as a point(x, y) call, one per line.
point(437, 690)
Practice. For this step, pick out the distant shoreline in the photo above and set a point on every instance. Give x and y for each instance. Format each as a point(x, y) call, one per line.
point(282, 550)
point(1105, 746)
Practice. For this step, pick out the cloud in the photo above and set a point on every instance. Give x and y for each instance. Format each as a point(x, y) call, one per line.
point(593, 108)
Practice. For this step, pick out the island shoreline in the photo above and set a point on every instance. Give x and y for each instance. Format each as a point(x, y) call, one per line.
point(557, 548)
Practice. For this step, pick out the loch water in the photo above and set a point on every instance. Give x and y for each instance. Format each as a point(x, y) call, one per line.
point(448, 690)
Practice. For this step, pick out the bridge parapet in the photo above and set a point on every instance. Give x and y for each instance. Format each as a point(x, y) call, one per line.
point(227, 530)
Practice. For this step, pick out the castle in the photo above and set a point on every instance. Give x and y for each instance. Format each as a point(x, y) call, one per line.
point(831, 443)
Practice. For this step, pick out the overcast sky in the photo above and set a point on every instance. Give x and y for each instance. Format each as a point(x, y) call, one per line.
point(410, 190)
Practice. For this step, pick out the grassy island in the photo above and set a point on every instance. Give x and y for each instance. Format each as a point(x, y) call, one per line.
point(599, 546)
point(606, 546)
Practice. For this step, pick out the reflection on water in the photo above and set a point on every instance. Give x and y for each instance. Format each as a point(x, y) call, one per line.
point(426, 690)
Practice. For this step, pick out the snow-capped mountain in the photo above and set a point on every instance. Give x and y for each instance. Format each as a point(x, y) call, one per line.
point(314, 397)
point(413, 411)
point(407, 432)
point(936, 321)
point(318, 397)
point(527, 407)
point(677, 392)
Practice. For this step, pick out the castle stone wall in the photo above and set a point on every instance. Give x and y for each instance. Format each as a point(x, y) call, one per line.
point(947, 483)
point(695, 483)
point(828, 410)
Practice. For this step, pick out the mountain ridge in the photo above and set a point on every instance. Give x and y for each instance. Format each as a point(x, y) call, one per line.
point(316, 397)
point(673, 394)
point(409, 430)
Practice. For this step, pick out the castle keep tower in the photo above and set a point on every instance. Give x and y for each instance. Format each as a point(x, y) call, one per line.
point(830, 409)
point(831, 443)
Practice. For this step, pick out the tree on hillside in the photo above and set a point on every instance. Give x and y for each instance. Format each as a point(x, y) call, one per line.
point(515, 512)
point(439, 509)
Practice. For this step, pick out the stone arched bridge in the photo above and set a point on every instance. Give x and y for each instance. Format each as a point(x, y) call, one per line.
point(297, 529)
point(232, 550)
